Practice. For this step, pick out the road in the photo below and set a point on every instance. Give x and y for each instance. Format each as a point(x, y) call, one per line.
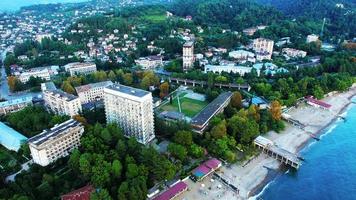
point(4, 87)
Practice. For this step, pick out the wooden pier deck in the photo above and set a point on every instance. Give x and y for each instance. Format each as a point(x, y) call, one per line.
point(280, 154)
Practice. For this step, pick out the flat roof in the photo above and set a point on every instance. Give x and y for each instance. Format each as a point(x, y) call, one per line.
point(10, 138)
point(87, 87)
point(62, 94)
point(53, 132)
point(15, 101)
point(172, 191)
point(128, 90)
point(210, 110)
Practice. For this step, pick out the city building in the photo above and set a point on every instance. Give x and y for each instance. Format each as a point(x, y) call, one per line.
point(173, 191)
point(263, 46)
point(312, 38)
point(92, 92)
point(48, 86)
point(201, 120)
point(294, 53)
point(205, 169)
point(269, 68)
point(149, 62)
point(242, 56)
point(10, 138)
point(80, 68)
point(56, 142)
point(36, 73)
point(188, 55)
point(132, 110)
point(230, 68)
point(250, 31)
point(61, 102)
point(14, 105)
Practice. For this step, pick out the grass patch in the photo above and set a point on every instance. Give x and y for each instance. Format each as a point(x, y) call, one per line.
point(154, 18)
point(190, 107)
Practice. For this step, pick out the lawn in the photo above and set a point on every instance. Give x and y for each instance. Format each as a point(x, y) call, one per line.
point(190, 107)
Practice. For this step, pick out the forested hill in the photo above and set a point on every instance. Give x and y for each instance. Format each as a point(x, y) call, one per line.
point(235, 14)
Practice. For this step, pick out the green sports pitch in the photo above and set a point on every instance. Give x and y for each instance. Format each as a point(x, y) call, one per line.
point(189, 107)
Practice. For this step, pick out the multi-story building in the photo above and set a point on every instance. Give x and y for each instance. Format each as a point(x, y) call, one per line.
point(14, 105)
point(56, 142)
point(80, 68)
point(132, 110)
point(36, 73)
point(294, 53)
point(92, 92)
point(312, 38)
point(263, 46)
point(228, 68)
point(242, 55)
point(149, 62)
point(48, 86)
point(188, 55)
point(61, 102)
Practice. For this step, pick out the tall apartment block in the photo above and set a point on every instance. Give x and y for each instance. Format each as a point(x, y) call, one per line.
point(92, 92)
point(56, 142)
point(61, 102)
point(263, 48)
point(188, 55)
point(80, 68)
point(132, 110)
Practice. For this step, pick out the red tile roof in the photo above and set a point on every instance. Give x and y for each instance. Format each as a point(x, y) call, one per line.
point(317, 102)
point(172, 192)
point(79, 194)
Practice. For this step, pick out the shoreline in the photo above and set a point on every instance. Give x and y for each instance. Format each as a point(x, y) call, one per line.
point(257, 190)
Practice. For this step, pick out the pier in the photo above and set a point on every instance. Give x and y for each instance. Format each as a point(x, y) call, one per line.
point(282, 155)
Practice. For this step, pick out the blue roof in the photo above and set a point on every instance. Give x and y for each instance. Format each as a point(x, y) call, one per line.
point(10, 138)
point(16, 101)
point(258, 101)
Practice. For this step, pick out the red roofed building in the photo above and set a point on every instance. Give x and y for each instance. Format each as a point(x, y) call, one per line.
point(173, 191)
point(317, 103)
point(79, 194)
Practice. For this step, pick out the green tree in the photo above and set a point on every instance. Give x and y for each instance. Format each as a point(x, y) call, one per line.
point(184, 138)
point(236, 100)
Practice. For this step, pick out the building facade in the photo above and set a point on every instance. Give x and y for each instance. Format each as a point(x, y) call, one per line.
point(80, 68)
point(227, 68)
point(149, 62)
point(92, 92)
point(263, 46)
point(294, 53)
point(36, 73)
point(132, 110)
point(56, 142)
point(188, 56)
point(14, 105)
point(62, 103)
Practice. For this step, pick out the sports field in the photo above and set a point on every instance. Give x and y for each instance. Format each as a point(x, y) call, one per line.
point(189, 107)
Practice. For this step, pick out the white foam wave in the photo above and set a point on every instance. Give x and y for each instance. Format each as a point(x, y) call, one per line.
point(256, 197)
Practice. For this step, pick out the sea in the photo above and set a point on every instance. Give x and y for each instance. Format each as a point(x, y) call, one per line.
point(329, 170)
point(15, 5)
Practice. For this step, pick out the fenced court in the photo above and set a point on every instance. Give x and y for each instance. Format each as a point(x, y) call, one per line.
point(186, 102)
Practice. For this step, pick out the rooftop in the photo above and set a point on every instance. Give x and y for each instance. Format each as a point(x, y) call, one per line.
point(210, 110)
point(128, 90)
point(188, 44)
point(84, 88)
point(172, 192)
point(61, 94)
point(79, 194)
point(10, 138)
point(53, 132)
point(15, 102)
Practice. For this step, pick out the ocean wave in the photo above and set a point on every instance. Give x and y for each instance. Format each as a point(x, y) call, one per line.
point(256, 197)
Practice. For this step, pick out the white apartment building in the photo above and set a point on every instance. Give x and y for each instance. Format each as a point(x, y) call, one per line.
point(92, 92)
point(14, 105)
point(294, 53)
point(188, 55)
point(62, 103)
point(132, 110)
point(149, 62)
point(242, 55)
point(80, 68)
point(231, 68)
point(40, 72)
point(56, 142)
point(312, 38)
point(263, 46)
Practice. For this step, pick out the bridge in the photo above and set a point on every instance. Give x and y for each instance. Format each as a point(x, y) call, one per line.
point(205, 83)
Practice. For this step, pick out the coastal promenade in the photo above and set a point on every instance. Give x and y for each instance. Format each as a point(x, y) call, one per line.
point(250, 177)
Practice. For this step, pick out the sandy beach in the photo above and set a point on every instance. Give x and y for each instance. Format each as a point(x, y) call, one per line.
point(251, 177)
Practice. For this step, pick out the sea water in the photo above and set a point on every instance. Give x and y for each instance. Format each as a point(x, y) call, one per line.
point(14, 5)
point(329, 170)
